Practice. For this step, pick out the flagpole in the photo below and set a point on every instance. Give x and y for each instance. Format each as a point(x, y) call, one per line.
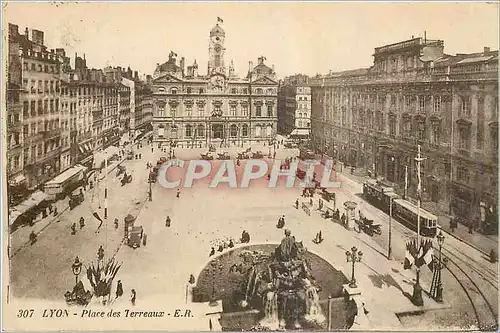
point(417, 289)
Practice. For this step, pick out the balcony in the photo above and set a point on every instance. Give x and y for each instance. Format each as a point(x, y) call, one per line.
point(49, 134)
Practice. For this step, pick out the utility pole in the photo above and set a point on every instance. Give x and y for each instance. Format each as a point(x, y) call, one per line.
point(417, 289)
point(406, 182)
point(105, 185)
point(389, 253)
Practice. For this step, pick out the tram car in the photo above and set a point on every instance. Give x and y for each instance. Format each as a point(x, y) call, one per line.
point(404, 211)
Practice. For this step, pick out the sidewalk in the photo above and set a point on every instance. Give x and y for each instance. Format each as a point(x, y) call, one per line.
point(20, 238)
point(480, 242)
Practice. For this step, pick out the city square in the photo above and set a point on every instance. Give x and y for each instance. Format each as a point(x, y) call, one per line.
point(383, 237)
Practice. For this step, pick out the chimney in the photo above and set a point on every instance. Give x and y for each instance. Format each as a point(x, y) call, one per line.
point(486, 49)
point(250, 66)
point(181, 64)
point(37, 36)
point(136, 75)
point(26, 32)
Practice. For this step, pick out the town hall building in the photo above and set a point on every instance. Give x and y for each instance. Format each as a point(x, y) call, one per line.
point(219, 108)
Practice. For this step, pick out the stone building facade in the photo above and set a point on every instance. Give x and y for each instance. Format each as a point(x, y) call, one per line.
point(218, 108)
point(415, 94)
point(294, 106)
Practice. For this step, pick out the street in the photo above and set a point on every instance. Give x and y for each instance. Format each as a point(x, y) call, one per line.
point(202, 215)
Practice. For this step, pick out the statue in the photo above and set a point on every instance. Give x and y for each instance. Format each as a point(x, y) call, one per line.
point(288, 248)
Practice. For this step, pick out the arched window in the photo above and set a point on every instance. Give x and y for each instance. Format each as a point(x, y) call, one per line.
point(269, 91)
point(189, 130)
point(234, 91)
point(200, 131)
point(201, 91)
point(161, 131)
point(258, 131)
point(233, 131)
point(269, 130)
point(244, 130)
point(173, 91)
point(258, 91)
point(188, 90)
point(161, 89)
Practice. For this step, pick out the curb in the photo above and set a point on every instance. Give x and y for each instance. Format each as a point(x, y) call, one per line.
point(445, 231)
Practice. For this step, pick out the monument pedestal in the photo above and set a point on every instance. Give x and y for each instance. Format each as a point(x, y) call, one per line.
point(361, 321)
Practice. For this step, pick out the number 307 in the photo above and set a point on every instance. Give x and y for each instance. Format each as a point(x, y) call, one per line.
point(25, 313)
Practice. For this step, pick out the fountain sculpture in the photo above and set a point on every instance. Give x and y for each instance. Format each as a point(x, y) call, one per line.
point(282, 287)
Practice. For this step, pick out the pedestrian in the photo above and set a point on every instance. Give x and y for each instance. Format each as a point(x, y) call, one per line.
point(212, 252)
point(73, 229)
point(32, 237)
point(100, 253)
point(82, 222)
point(50, 208)
point(310, 202)
point(178, 193)
point(297, 203)
point(167, 222)
point(452, 224)
point(152, 149)
point(470, 227)
point(116, 223)
point(274, 155)
point(119, 289)
point(133, 297)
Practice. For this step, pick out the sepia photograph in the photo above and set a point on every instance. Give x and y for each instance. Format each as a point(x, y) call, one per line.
point(250, 166)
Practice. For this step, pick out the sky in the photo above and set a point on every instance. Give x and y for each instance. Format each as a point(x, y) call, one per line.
point(297, 37)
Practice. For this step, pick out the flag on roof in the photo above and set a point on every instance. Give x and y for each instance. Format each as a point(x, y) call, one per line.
point(219, 20)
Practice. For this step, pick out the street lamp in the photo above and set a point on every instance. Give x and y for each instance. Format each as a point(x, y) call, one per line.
point(77, 268)
point(150, 194)
point(353, 256)
point(440, 266)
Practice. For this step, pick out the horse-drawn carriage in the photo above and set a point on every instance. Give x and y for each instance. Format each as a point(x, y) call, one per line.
point(258, 154)
point(367, 226)
point(126, 179)
point(243, 156)
point(119, 170)
point(224, 156)
point(136, 236)
point(207, 157)
point(76, 198)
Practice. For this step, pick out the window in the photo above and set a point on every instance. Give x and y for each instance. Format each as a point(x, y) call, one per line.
point(200, 131)
point(269, 91)
point(161, 131)
point(463, 138)
point(188, 90)
point(463, 175)
point(480, 123)
point(421, 130)
point(233, 110)
point(189, 110)
point(173, 91)
point(234, 91)
point(244, 110)
point(257, 131)
point(300, 98)
point(201, 110)
point(46, 69)
point(201, 91)
point(421, 104)
point(161, 110)
point(173, 110)
point(392, 126)
point(258, 91)
point(244, 91)
point(161, 89)
point(26, 107)
point(464, 107)
point(33, 67)
point(269, 110)
point(435, 134)
point(233, 132)
point(244, 130)
point(437, 104)
point(258, 111)
point(393, 101)
point(189, 130)
point(408, 102)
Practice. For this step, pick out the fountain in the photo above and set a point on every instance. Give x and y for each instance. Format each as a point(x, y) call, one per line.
point(269, 287)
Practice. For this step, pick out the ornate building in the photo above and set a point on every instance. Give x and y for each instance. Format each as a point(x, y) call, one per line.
point(294, 106)
point(218, 108)
point(415, 94)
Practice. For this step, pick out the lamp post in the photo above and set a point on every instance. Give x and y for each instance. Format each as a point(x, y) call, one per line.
point(440, 266)
point(77, 268)
point(353, 256)
point(150, 194)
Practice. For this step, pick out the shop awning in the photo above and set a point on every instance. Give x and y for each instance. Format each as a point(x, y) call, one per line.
point(17, 180)
point(34, 200)
point(66, 175)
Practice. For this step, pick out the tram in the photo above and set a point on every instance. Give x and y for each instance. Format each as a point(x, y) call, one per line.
point(380, 196)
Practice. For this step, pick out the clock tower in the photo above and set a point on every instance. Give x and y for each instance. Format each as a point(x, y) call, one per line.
point(216, 51)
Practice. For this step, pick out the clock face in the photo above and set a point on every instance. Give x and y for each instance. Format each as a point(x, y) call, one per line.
point(217, 48)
